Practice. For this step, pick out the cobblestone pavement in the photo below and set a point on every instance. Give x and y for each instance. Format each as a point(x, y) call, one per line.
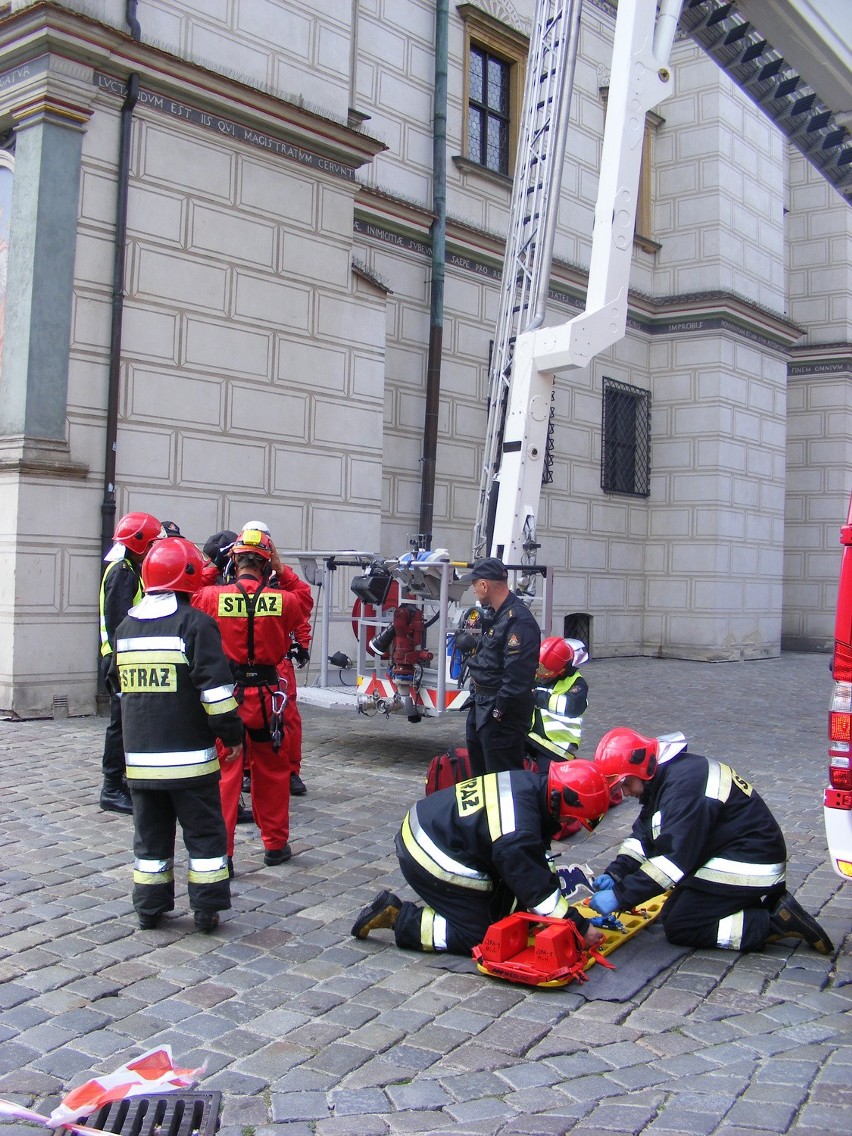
point(307, 1030)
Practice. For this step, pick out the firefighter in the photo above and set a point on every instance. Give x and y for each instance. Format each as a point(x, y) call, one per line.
point(475, 850)
point(502, 669)
point(121, 588)
point(561, 697)
point(178, 699)
point(217, 566)
point(298, 655)
point(705, 835)
point(257, 621)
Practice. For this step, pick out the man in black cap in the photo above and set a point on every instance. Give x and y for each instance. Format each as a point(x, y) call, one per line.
point(217, 550)
point(502, 670)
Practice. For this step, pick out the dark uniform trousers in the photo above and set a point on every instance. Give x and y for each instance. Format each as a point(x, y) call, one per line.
point(504, 741)
point(468, 913)
point(112, 762)
point(198, 810)
point(694, 918)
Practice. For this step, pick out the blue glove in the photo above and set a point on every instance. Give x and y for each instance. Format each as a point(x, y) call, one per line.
point(604, 902)
point(603, 882)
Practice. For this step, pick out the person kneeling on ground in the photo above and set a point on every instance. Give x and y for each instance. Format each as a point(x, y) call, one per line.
point(474, 851)
point(705, 835)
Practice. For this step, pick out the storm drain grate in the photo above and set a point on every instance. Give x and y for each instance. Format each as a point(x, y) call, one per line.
point(167, 1114)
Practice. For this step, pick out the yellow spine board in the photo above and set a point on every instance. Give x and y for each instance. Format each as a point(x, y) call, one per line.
point(632, 922)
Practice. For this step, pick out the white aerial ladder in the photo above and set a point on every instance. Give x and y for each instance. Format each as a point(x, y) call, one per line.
point(526, 354)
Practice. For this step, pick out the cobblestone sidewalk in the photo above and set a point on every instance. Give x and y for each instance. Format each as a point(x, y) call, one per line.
point(309, 1031)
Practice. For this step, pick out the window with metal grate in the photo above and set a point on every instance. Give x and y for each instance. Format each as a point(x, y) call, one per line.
point(626, 439)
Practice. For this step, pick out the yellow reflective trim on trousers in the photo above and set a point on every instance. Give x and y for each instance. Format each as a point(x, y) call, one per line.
point(430, 865)
point(171, 772)
point(207, 877)
point(427, 929)
point(153, 877)
point(729, 935)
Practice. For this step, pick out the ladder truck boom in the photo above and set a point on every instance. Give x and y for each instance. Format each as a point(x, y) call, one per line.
point(526, 355)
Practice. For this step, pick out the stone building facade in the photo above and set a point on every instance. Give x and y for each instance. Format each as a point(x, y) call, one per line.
point(267, 347)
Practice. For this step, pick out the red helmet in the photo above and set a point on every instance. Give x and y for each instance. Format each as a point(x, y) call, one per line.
point(624, 753)
point(172, 565)
point(138, 531)
point(553, 657)
point(255, 540)
point(577, 789)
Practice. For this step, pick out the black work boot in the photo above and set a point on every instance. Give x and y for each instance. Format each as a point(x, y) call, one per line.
point(206, 921)
point(382, 912)
point(115, 798)
point(298, 788)
point(789, 920)
point(245, 814)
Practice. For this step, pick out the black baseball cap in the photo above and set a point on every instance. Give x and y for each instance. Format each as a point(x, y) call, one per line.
point(217, 547)
point(489, 568)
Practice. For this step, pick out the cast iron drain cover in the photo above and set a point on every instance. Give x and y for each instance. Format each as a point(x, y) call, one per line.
point(166, 1114)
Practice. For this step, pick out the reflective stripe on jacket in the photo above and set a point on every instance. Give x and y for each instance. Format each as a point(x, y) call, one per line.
point(558, 715)
point(121, 589)
point(701, 826)
point(177, 696)
point(486, 831)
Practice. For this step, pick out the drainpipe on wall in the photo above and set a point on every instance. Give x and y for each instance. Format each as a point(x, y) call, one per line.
point(119, 255)
point(439, 243)
point(108, 505)
point(130, 19)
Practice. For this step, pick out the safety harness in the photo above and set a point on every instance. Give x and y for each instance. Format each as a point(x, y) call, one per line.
point(262, 675)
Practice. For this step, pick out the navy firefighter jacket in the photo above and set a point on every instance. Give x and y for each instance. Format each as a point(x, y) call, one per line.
point(177, 692)
point(487, 830)
point(504, 664)
point(700, 826)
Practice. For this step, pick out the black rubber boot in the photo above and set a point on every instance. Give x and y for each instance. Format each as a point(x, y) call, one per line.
point(382, 912)
point(115, 799)
point(789, 920)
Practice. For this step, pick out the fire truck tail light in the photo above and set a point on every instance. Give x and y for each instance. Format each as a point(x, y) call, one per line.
point(840, 731)
point(840, 778)
point(842, 664)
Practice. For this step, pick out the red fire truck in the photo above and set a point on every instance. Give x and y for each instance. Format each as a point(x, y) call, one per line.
point(838, 796)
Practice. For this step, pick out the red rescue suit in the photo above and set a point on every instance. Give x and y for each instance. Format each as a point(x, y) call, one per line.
point(256, 644)
point(290, 582)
